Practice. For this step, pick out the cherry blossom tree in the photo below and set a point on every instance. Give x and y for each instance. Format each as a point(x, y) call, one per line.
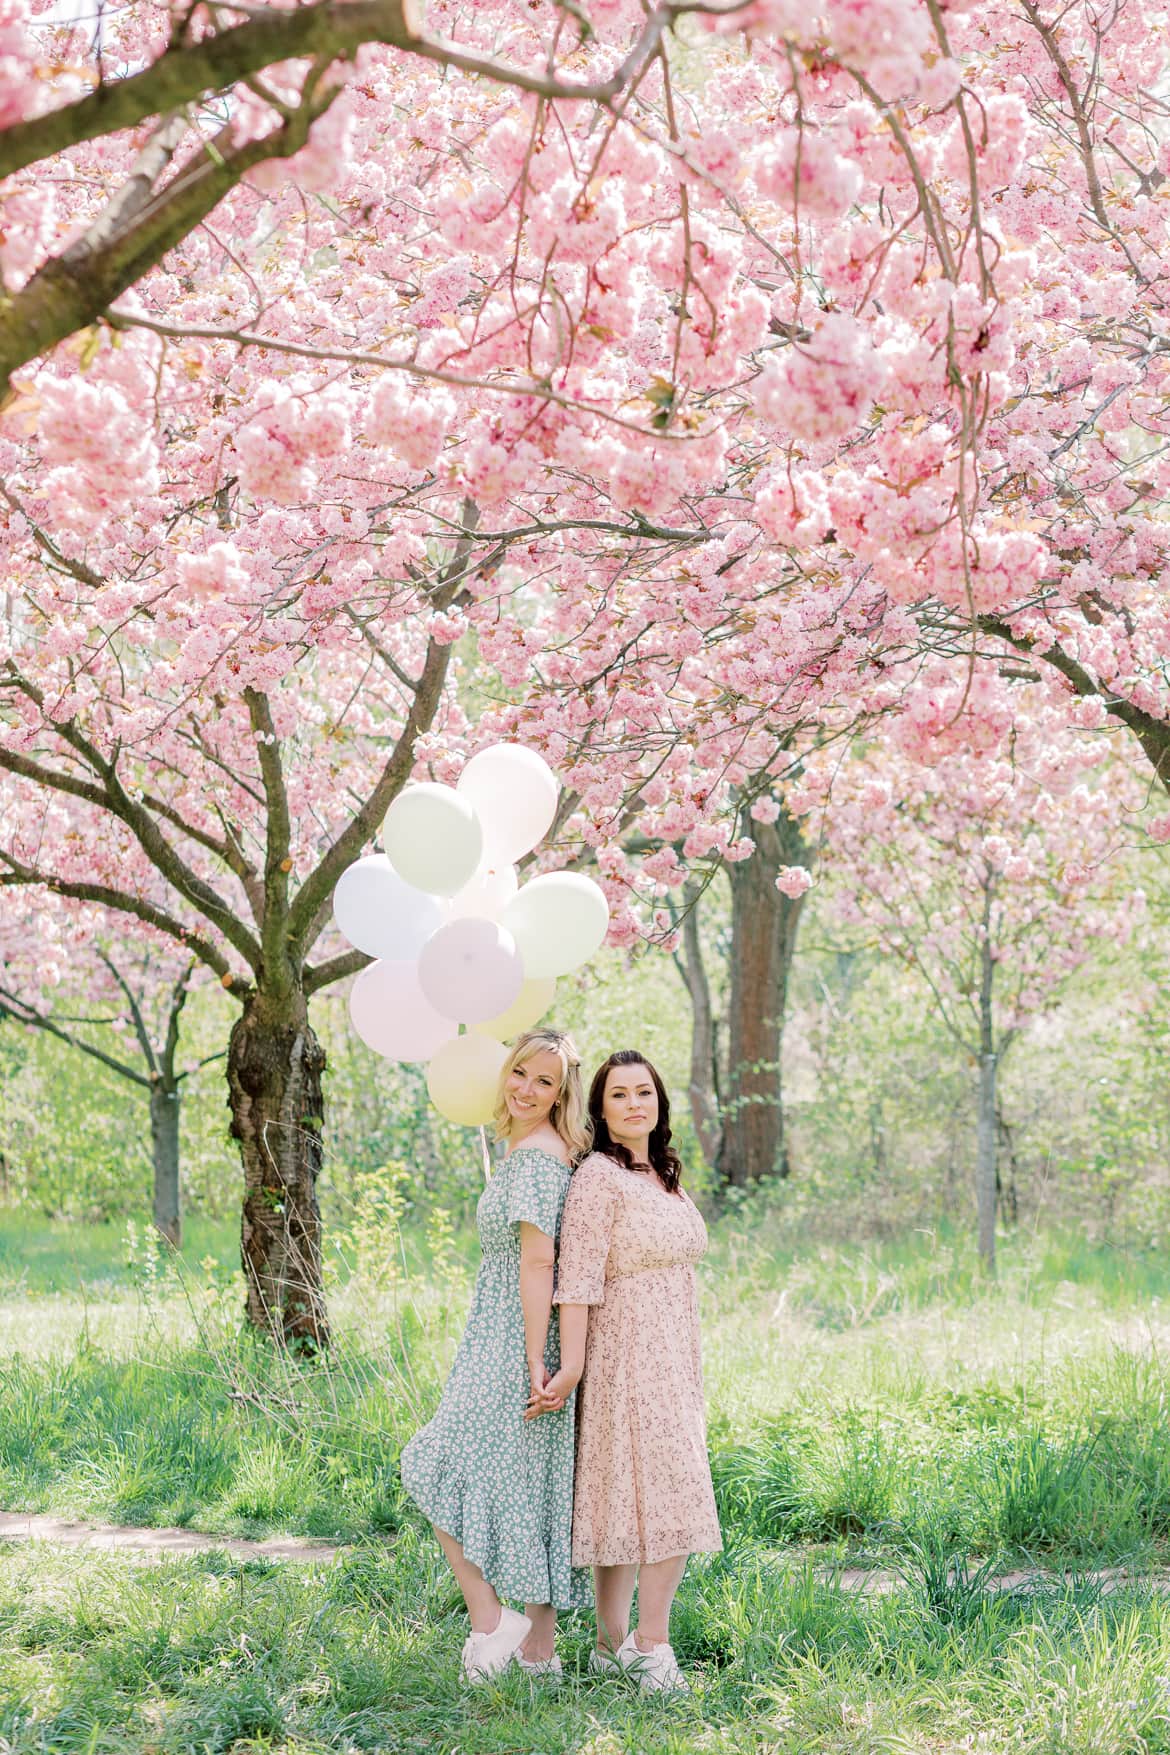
point(977, 844)
point(643, 384)
point(202, 96)
point(118, 1003)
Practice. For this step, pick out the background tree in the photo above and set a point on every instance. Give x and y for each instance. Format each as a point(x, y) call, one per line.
point(981, 859)
point(736, 1084)
point(119, 1003)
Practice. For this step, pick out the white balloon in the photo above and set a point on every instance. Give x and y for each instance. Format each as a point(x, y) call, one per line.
point(470, 970)
point(464, 1079)
point(381, 915)
point(433, 838)
point(487, 895)
point(529, 1007)
point(393, 1016)
point(515, 792)
point(558, 921)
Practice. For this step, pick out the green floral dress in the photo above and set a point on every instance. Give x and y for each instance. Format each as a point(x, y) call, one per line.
point(503, 1487)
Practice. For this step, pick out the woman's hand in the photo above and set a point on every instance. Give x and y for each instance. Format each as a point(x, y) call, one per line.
point(552, 1395)
point(537, 1378)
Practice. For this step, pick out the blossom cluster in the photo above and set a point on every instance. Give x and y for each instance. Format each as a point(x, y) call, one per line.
point(673, 428)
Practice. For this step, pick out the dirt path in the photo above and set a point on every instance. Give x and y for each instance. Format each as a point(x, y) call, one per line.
point(154, 1544)
point(150, 1545)
point(877, 1581)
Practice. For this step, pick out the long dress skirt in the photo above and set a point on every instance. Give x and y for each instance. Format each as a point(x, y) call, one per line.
point(503, 1486)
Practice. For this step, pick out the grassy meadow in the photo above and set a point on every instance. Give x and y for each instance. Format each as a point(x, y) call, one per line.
point(873, 1406)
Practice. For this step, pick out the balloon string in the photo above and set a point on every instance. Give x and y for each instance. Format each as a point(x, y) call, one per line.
point(487, 1163)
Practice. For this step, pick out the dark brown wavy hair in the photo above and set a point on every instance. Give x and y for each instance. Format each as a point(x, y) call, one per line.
point(663, 1156)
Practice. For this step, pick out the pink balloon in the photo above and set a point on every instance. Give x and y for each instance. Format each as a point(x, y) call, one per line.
point(471, 970)
point(393, 1016)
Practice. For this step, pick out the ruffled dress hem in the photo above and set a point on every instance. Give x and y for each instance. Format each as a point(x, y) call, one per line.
point(444, 1503)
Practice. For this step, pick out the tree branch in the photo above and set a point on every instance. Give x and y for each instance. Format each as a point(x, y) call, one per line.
point(140, 1029)
point(333, 30)
point(123, 903)
point(539, 388)
point(114, 797)
point(1153, 734)
point(171, 1042)
point(21, 1012)
point(428, 691)
point(132, 234)
point(277, 859)
point(336, 969)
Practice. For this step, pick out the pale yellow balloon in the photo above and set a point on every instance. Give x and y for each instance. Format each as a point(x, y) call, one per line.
point(463, 1078)
point(526, 1009)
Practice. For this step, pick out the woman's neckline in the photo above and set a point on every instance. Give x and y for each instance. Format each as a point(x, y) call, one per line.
point(650, 1174)
point(528, 1146)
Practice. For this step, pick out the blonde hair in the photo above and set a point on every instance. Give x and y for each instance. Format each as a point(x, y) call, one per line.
point(568, 1114)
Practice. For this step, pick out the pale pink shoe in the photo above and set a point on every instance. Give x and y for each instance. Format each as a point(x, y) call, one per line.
point(656, 1672)
point(546, 1669)
point(488, 1654)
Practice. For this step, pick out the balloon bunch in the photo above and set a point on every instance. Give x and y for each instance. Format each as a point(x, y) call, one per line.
point(458, 940)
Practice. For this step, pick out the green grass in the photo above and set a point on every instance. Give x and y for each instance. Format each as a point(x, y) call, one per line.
point(211, 1655)
point(869, 1405)
point(62, 1256)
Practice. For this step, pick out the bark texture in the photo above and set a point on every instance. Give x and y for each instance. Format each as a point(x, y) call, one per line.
point(703, 1085)
point(275, 1063)
point(764, 926)
point(164, 1151)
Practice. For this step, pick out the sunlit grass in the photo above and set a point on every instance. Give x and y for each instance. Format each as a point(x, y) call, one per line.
point(877, 1405)
point(209, 1654)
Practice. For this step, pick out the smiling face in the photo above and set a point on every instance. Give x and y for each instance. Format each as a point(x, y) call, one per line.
point(531, 1089)
point(629, 1107)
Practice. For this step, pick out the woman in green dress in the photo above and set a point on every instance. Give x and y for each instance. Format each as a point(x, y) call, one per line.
point(497, 1488)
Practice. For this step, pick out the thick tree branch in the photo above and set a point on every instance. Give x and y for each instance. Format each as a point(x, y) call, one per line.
point(42, 776)
point(108, 897)
point(114, 797)
point(277, 857)
point(131, 236)
point(186, 70)
point(1153, 734)
point(336, 969)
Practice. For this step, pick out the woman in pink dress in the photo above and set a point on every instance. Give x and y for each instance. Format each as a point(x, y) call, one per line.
point(642, 1498)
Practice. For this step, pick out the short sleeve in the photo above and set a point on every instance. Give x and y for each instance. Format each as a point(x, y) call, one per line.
point(586, 1228)
point(536, 1191)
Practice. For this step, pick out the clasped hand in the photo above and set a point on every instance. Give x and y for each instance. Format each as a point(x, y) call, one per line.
point(549, 1394)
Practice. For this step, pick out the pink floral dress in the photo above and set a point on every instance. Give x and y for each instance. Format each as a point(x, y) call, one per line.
point(643, 1484)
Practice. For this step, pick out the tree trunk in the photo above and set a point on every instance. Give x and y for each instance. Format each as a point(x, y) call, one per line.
point(275, 1063)
point(985, 1155)
point(1007, 1189)
point(703, 1087)
point(763, 941)
point(164, 1151)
